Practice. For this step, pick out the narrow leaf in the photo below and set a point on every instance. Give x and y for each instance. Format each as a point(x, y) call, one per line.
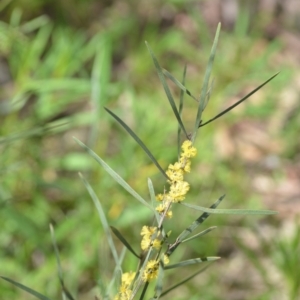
point(204, 89)
point(166, 88)
point(56, 253)
point(192, 262)
point(231, 211)
point(199, 220)
point(180, 113)
point(102, 217)
point(26, 289)
point(114, 175)
point(99, 84)
point(183, 281)
point(38, 131)
point(139, 141)
point(123, 240)
point(178, 83)
point(208, 95)
point(200, 234)
point(192, 227)
point(34, 24)
point(238, 102)
point(59, 268)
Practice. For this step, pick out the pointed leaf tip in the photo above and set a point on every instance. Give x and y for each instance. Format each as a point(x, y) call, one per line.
point(166, 89)
point(138, 140)
point(26, 289)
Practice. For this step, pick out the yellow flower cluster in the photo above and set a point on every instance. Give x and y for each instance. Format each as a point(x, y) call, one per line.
point(151, 269)
point(151, 236)
point(178, 187)
point(147, 240)
point(124, 290)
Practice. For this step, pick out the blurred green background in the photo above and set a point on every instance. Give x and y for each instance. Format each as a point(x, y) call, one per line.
point(61, 62)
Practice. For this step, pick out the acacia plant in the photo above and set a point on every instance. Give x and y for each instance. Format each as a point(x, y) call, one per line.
point(157, 246)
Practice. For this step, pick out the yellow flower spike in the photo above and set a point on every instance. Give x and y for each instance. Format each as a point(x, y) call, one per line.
point(145, 243)
point(175, 175)
point(169, 214)
point(156, 244)
point(186, 145)
point(125, 295)
point(124, 291)
point(188, 149)
point(186, 164)
point(168, 198)
point(175, 167)
point(151, 271)
point(179, 190)
point(160, 197)
point(161, 209)
point(147, 230)
point(147, 233)
point(128, 277)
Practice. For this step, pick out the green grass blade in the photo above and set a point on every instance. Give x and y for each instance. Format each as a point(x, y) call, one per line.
point(200, 234)
point(166, 88)
point(123, 240)
point(37, 47)
point(34, 24)
point(56, 254)
point(115, 176)
point(78, 85)
point(59, 268)
point(99, 84)
point(183, 281)
point(204, 89)
point(102, 218)
point(178, 83)
point(37, 131)
point(138, 140)
point(191, 262)
point(16, 17)
point(238, 102)
point(26, 289)
point(231, 211)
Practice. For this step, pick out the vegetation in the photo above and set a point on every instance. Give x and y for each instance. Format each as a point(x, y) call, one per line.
point(56, 79)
